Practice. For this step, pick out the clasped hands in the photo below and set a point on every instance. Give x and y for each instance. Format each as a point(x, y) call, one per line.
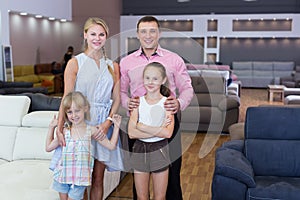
point(102, 129)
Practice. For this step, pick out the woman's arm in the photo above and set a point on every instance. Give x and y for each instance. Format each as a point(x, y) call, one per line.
point(69, 80)
point(164, 131)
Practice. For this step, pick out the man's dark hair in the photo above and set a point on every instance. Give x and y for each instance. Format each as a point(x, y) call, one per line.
point(147, 19)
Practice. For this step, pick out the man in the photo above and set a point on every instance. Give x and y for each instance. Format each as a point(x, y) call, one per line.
point(131, 67)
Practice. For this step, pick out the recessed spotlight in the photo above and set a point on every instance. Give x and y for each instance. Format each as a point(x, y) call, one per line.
point(63, 20)
point(51, 18)
point(249, 0)
point(23, 13)
point(38, 16)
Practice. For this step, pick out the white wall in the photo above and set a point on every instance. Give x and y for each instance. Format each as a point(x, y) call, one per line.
point(60, 9)
point(38, 40)
point(27, 34)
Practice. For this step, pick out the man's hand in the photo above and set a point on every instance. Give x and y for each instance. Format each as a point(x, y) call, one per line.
point(133, 103)
point(172, 104)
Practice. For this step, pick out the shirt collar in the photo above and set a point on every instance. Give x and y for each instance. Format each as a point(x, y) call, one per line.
point(159, 51)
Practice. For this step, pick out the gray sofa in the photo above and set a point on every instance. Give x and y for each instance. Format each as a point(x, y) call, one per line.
point(260, 74)
point(213, 108)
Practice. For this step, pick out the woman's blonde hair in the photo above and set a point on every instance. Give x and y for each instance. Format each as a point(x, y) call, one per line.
point(80, 101)
point(97, 21)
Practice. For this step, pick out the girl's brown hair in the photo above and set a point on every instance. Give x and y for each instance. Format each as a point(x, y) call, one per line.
point(164, 89)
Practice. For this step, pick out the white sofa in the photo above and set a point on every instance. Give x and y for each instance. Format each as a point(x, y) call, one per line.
point(24, 172)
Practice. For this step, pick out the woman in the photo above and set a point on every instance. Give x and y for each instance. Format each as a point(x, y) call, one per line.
point(97, 77)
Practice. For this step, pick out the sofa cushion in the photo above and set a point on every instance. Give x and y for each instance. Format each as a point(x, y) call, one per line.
point(196, 66)
point(263, 69)
point(241, 65)
point(216, 73)
point(232, 163)
point(28, 78)
point(41, 102)
point(283, 66)
point(30, 144)
point(283, 69)
point(27, 180)
point(23, 70)
point(12, 109)
point(38, 118)
point(43, 68)
point(275, 188)
point(7, 141)
point(272, 140)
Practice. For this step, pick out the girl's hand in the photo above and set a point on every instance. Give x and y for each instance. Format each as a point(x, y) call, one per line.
point(116, 119)
point(54, 122)
point(101, 132)
point(167, 121)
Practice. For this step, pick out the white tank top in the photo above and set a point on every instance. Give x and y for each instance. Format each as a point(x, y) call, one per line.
point(152, 115)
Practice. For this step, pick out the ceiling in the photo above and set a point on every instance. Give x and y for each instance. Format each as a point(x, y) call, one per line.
point(175, 7)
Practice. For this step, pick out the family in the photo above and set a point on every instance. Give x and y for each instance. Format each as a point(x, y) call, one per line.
point(87, 140)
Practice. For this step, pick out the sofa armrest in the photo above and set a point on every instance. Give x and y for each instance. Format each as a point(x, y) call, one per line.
point(233, 164)
point(237, 145)
point(228, 103)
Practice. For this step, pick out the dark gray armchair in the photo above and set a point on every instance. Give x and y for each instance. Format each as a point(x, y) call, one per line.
point(266, 165)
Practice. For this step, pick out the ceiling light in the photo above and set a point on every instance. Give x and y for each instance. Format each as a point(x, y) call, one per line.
point(181, 1)
point(249, 0)
point(23, 13)
point(63, 20)
point(38, 16)
point(51, 18)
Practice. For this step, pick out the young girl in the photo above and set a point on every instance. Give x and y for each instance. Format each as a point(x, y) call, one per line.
point(151, 124)
point(74, 170)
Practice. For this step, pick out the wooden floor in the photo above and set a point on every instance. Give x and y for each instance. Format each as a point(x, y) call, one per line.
point(196, 172)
